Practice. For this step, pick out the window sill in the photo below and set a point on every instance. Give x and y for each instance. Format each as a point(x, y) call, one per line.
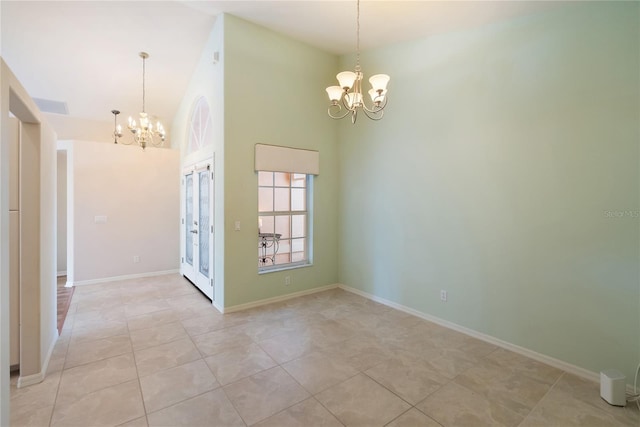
point(283, 268)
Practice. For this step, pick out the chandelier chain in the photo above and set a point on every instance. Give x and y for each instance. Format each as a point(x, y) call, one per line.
point(143, 88)
point(358, 35)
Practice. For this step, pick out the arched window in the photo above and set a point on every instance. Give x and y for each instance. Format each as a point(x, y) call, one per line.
point(200, 126)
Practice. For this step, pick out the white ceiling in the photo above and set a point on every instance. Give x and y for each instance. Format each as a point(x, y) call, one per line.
point(85, 53)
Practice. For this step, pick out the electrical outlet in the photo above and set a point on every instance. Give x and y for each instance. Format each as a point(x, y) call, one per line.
point(136, 258)
point(287, 280)
point(443, 295)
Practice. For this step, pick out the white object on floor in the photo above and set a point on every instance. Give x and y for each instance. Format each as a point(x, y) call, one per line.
point(612, 387)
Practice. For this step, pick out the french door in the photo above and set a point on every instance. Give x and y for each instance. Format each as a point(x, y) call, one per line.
point(197, 227)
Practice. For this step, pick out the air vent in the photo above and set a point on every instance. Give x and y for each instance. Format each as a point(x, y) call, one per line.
point(49, 106)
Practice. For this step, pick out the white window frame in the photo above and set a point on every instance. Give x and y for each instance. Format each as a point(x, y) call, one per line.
point(308, 261)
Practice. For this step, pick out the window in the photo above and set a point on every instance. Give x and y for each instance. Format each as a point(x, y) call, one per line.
point(283, 219)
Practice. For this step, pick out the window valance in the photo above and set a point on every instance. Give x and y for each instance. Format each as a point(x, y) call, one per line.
point(286, 159)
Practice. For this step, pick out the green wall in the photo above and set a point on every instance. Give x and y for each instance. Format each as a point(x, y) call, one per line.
point(274, 94)
point(506, 172)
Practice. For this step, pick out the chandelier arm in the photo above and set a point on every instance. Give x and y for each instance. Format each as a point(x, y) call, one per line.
point(338, 117)
point(373, 115)
point(375, 109)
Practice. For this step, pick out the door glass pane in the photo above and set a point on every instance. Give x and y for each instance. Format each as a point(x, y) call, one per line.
point(188, 221)
point(204, 222)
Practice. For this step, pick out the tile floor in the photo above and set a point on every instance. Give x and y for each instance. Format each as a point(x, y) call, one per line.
point(153, 352)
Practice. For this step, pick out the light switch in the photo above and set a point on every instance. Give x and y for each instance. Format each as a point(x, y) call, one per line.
point(237, 225)
point(100, 219)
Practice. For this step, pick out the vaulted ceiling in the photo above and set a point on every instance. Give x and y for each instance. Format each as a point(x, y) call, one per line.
point(85, 53)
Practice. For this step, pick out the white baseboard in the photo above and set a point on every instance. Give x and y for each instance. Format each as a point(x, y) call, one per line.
point(556, 363)
point(125, 277)
point(62, 273)
point(266, 301)
point(39, 377)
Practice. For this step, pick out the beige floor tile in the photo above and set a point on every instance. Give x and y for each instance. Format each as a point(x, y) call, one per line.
point(191, 311)
point(152, 319)
point(411, 379)
point(413, 418)
point(37, 417)
point(219, 341)
point(239, 362)
point(454, 405)
point(507, 387)
point(81, 380)
point(138, 422)
point(134, 310)
point(26, 401)
point(561, 409)
point(360, 352)
point(174, 385)
point(570, 387)
point(91, 351)
point(452, 362)
point(360, 401)
point(191, 299)
point(203, 324)
point(261, 330)
point(264, 394)
point(317, 371)
point(307, 413)
point(97, 332)
point(329, 332)
point(208, 409)
point(285, 347)
point(165, 356)
point(109, 406)
point(151, 337)
point(531, 368)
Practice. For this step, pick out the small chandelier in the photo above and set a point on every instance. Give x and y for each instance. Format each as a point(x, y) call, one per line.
point(143, 131)
point(349, 93)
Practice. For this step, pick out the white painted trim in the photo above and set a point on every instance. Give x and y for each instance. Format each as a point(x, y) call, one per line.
point(61, 273)
point(556, 363)
point(125, 277)
point(218, 307)
point(68, 285)
point(39, 377)
point(280, 298)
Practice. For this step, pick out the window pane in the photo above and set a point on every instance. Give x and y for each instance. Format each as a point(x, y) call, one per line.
point(283, 258)
point(265, 224)
point(298, 199)
point(282, 199)
point(265, 199)
point(298, 180)
point(265, 179)
point(282, 179)
point(297, 245)
point(297, 256)
point(298, 225)
point(282, 226)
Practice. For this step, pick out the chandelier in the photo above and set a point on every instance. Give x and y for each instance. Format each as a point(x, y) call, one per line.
point(144, 132)
point(349, 94)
